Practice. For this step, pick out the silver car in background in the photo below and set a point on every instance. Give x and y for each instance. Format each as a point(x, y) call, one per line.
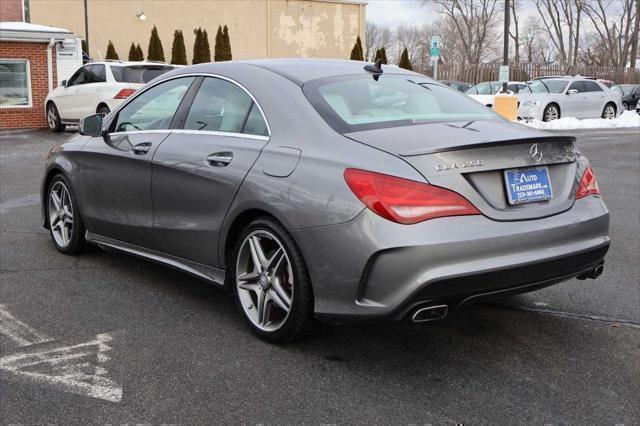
point(336, 190)
point(553, 98)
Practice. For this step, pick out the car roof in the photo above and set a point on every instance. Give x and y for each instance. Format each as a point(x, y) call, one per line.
point(128, 63)
point(300, 71)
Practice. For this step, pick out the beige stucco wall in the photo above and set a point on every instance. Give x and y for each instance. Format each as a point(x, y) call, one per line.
point(257, 28)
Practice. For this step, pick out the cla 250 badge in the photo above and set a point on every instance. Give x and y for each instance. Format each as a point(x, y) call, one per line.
point(462, 165)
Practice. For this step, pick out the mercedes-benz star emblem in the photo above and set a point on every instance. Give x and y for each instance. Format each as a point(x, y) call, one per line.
point(536, 152)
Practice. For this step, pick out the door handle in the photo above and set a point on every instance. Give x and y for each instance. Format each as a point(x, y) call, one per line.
point(142, 148)
point(220, 159)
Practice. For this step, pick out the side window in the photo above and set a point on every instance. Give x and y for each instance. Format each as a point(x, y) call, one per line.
point(77, 78)
point(219, 106)
point(636, 91)
point(153, 109)
point(255, 124)
point(484, 89)
point(95, 74)
point(577, 85)
point(591, 86)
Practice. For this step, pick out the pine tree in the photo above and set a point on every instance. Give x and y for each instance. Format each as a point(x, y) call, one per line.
point(197, 46)
point(357, 54)
point(111, 52)
point(155, 51)
point(132, 52)
point(381, 54)
point(206, 49)
point(404, 60)
point(178, 51)
point(217, 48)
point(139, 54)
point(227, 44)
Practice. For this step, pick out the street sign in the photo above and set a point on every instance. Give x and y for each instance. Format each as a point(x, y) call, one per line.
point(504, 74)
point(436, 43)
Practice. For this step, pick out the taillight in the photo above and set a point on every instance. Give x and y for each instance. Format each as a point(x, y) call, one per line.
point(124, 93)
point(588, 184)
point(405, 201)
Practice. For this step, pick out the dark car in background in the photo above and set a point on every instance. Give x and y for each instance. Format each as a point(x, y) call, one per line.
point(630, 95)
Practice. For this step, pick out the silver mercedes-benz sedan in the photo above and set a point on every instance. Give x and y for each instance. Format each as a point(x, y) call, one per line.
point(327, 189)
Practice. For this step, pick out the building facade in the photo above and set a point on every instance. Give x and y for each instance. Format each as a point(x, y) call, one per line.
point(257, 28)
point(33, 59)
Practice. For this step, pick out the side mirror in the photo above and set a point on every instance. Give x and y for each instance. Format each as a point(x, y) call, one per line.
point(91, 125)
point(64, 83)
point(572, 92)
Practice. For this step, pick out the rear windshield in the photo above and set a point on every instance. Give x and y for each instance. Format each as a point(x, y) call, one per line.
point(138, 73)
point(353, 103)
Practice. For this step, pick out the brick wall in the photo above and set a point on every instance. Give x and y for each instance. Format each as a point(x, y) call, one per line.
point(36, 53)
point(11, 10)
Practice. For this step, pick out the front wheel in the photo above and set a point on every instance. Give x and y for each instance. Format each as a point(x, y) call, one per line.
point(271, 282)
point(53, 119)
point(65, 224)
point(609, 112)
point(104, 110)
point(551, 113)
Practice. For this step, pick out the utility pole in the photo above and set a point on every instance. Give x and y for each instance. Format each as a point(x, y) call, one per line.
point(505, 52)
point(86, 27)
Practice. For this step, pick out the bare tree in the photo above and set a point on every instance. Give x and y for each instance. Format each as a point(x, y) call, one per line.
point(635, 37)
point(614, 21)
point(473, 24)
point(561, 20)
point(515, 34)
point(376, 36)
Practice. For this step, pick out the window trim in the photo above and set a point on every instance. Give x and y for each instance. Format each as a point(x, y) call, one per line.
point(29, 93)
point(115, 113)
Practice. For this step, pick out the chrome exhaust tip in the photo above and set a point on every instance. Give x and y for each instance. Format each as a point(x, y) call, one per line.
point(430, 313)
point(594, 273)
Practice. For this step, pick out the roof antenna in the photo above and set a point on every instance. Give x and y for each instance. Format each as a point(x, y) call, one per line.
point(375, 69)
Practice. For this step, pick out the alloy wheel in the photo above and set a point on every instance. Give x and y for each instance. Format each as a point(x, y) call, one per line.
point(264, 280)
point(60, 214)
point(52, 120)
point(551, 113)
point(609, 112)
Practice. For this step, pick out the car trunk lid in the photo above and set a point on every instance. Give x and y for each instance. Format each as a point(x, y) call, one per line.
point(470, 158)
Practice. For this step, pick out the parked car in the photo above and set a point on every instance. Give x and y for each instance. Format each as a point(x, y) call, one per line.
point(577, 97)
point(630, 95)
point(457, 85)
point(328, 189)
point(97, 87)
point(485, 92)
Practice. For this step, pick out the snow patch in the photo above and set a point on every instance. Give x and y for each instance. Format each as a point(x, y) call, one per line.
point(625, 120)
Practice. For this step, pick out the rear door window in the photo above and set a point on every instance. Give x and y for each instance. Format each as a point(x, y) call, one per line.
point(591, 86)
point(255, 124)
point(219, 106)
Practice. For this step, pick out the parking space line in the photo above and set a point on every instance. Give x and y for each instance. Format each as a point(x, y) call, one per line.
point(18, 331)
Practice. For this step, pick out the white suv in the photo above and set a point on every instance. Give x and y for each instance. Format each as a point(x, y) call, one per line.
point(97, 87)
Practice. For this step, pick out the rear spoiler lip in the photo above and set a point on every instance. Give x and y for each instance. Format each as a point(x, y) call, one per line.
point(566, 139)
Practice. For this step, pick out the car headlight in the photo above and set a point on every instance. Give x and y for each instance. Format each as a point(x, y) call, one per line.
point(531, 103)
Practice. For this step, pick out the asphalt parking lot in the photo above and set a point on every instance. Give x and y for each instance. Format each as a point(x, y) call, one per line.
point(108, 338)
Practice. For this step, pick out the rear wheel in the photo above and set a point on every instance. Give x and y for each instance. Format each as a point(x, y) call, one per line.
point(65, 224)
point(551, 112)
point(53, 119)
point(609, 112)
point(271, 282)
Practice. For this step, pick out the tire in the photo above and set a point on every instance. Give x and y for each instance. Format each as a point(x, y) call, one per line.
point(278, 281)
point(103, 109)
point(551, 113)
point(609, 111)
point(625, 106)
point(53, 119)
point(63, 218)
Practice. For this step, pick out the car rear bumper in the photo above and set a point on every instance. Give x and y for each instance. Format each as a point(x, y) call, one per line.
point(371, 268)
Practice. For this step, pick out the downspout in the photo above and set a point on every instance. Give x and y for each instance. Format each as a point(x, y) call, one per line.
point(52, 42)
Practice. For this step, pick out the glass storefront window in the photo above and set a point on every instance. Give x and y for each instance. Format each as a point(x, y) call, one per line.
point(15, 90)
